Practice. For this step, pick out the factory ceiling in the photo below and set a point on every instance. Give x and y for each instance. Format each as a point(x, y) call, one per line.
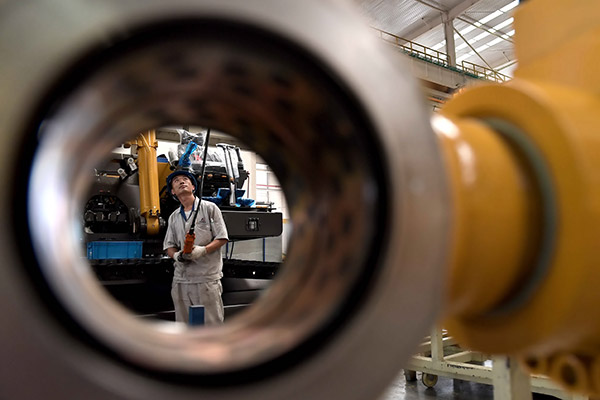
point(483, 29)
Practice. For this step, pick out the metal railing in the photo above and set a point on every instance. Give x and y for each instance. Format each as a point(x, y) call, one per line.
point(416, 49)
point(484, 72)
point(441, 58)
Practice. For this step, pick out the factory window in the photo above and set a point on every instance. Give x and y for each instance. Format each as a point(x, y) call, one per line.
point(268, 189)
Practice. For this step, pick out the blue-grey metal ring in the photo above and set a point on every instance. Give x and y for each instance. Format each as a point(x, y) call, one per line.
point(544, 184)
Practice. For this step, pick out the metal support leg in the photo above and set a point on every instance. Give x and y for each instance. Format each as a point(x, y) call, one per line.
point(437, 345)
point(510, 380)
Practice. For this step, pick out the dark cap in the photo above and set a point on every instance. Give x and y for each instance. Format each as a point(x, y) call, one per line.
point(180, 172)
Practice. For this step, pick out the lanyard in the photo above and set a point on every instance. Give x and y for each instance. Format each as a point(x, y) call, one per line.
point(182, 211)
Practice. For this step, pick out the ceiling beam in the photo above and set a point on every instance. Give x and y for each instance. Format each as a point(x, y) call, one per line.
point(425, 25)
point(450, 44)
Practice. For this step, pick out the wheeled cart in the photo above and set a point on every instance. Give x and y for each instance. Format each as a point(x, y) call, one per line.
point(440, 355)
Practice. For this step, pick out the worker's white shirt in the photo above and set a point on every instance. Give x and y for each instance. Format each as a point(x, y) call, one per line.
point(209, 226)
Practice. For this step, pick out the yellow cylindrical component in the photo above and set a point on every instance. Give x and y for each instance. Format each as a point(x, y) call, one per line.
point(571, 371)
point(148, 181)
point(595, 373)
point(496, 217)
point(556, 114)
point(536, 365)
point(559, 41)
point(164, 169)
point(561, 124)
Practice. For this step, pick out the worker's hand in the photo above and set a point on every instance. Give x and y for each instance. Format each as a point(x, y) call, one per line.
point(181, 257)
point(197, 252)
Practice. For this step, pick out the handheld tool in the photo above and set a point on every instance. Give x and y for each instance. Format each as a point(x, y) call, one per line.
point(190, 237)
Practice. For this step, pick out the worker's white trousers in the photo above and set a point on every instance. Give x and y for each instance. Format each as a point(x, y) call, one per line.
point(207, 294)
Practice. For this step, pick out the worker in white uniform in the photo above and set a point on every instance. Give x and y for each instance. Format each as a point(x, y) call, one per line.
point(197, 278)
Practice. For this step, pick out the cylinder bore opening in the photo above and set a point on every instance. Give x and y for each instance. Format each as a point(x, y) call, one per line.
point(289, 110)
point(127, 211)
point(532, 363)
point(568, 375)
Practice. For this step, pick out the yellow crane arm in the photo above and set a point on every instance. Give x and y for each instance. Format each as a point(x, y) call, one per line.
point(148, 179)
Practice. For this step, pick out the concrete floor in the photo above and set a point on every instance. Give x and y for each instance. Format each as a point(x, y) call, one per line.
point(445, 389)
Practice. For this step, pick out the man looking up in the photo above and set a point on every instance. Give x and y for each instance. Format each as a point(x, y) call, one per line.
point(197, 277)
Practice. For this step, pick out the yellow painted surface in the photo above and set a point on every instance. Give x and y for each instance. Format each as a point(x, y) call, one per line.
point(571, 370)
point(561, 123)
point(559, 40)
point(495, 216)
point(555, 100)
point(148, 181)
point(164, 169)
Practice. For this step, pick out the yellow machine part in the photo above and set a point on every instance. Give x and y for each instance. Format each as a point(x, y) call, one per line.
point(495, 218)
point(164, 169)
point(148, 178)
point(538, 138)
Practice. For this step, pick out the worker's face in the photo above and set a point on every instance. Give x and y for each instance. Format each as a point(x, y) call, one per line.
point(181, 184)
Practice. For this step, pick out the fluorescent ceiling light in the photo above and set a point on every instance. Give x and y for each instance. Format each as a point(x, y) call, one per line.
point(480, 36)
point(479, 24)
point(490, 17)
point(494, 42)
point(439, 45)
point(509, 34)
point(465, 56)
point(510, 6)
point(481, 48)
point(504, 24)
point(467, 29)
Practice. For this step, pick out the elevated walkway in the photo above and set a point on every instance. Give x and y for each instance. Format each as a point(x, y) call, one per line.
point(432, 67)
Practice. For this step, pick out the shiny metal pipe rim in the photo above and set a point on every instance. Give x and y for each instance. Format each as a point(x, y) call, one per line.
point(220, 78)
